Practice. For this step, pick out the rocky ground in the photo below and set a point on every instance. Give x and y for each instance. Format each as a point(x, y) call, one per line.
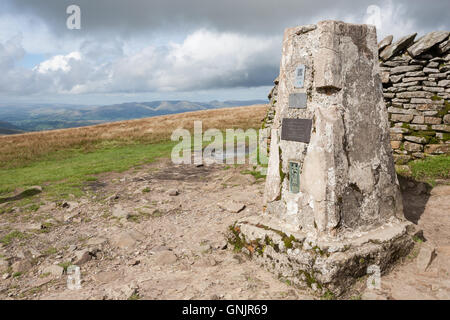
point(158, 232)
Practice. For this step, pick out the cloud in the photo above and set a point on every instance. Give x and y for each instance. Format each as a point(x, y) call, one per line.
point(137, 47)
point(263, 17)
point(57, 63)
point(204, 60)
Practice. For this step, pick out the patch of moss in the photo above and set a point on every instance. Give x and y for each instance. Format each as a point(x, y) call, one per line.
point(288, 241)
point(310, 279)
point(319, 251)
point(235, 239)
point(444, 110)
point(436, 98)
point(282, 174)
point(425, 134)
point(328, 295)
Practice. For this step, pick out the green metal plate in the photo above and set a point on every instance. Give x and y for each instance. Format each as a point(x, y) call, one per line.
point(294, 177)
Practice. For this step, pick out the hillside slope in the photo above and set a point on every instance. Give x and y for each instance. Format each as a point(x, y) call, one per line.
point(9, 128)
point(56, 116)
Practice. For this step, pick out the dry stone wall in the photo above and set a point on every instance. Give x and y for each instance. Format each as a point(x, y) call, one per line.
point(416, 87)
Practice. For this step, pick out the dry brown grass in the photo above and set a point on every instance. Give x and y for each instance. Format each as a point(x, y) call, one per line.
point(17, 150)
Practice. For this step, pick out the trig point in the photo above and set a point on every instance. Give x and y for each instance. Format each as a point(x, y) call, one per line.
point(333, 203)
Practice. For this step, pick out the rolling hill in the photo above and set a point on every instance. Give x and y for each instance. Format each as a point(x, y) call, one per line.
point(8, 128)
point(41, 117)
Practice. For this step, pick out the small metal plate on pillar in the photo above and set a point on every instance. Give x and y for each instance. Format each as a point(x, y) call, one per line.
point(299, 76)
point(294, 177)
point(297, 100)
point(296, 130)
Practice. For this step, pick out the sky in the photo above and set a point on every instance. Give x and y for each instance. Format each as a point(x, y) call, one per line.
point(197, 50)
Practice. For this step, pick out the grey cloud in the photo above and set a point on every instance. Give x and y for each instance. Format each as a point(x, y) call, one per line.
point(244, 16)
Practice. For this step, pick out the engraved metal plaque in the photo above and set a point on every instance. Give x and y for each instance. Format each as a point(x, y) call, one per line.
point(297, 100)
point(296, 130)
point(299, 76)
point(294, 177)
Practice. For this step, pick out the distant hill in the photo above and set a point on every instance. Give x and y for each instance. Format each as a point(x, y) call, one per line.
point(48, 116)
point(8, 128)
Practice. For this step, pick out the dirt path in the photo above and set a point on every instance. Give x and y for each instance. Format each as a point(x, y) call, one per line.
point(158, 233)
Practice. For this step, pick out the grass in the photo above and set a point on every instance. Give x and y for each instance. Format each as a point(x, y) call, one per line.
point(24, 149)
point(431, 168)
point(7, 239)
point(63, 161)
point(70, 169)
point(65, 265)
point(255, 173)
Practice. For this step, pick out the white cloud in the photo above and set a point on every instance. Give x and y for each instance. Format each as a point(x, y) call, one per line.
point(57, 63)
point(203, 60)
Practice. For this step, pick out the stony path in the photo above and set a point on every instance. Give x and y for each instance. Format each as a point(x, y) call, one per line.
point(158, 233)
point(411, 280)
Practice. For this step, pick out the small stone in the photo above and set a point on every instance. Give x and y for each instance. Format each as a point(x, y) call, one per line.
point(232, 206)
point(396, 144)
point(173, 192)
point(427, 42)
point(402, 117)
point(426, 255)
point(4, 265)
point(437, 148)
point(165, 258)
point(21, 266)
point(212, 261)
point(404, 69)
point(394, 48)
point(418, 119)
point(441, 127)
point(447, 119)
point(409, 146)
point(83, 256)
point(125, 240)
point(395, 79)
point(54, 270)
point(107, 276)
point(430, 70)
point(119, 212)
point(385, 42)
point(416, 139)
point(433, 120)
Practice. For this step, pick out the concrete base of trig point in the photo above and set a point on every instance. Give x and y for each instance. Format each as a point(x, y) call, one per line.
point(320, 263)
point(333, 202)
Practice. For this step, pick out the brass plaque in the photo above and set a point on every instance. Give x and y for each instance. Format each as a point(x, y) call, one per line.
point(294, 177)
point(297, 100)
point(296, 130)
